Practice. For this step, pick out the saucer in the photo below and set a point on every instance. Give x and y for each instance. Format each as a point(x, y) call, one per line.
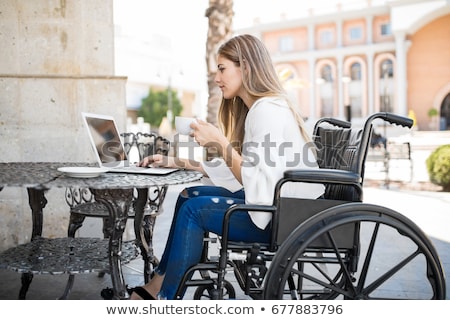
point(82, 172)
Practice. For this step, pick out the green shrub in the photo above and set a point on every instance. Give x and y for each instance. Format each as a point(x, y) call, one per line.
point(432, 112)
point(438, 166)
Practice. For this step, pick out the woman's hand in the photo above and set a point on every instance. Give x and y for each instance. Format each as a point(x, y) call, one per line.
point(158, 160)
point(208, 135)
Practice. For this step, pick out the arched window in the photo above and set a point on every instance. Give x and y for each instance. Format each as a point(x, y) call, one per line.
point(445, 113)
point(327, 91)
point(386, 69)
point(386, 85)
point(355, 71)
point(326, 73)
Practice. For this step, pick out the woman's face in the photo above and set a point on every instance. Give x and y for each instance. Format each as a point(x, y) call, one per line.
point(229, 78)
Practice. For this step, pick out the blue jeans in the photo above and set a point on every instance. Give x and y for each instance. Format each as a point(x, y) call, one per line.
point(198, 210)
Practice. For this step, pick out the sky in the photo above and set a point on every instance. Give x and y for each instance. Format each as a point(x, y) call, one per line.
point(171, 15)
point(185, 24)
point(184, 18)
point(182, 21)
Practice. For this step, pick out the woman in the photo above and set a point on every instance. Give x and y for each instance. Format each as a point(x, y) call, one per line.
point(262, 136)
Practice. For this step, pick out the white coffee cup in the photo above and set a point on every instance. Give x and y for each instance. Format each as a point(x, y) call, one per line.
point(182, 124)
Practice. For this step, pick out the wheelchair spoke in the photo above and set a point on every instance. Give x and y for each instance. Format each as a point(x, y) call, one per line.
point(386, 276)
point(324, 274)
point(323, 264)
point(369, 255)
point(332, 285)
point(342, 264)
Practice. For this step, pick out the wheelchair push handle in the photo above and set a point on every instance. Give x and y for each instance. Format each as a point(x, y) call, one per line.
point(394, 119)
point(333, 121)
point(339, 123)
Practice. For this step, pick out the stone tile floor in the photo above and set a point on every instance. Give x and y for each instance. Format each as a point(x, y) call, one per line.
point(428, 209)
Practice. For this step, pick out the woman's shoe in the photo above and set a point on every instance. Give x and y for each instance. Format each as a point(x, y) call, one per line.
point(108, 293)
point(141, 292)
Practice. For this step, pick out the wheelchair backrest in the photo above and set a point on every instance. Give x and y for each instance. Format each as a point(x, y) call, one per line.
point(340, 148)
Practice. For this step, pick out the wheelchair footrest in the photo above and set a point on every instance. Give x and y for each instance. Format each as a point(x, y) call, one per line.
point(203, 269)
point(198, 282)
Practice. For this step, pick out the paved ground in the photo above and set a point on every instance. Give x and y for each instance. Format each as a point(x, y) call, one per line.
point(429, 210)
point(410, 196)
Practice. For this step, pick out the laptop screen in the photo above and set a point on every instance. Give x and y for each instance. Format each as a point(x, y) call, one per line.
point(105, 138)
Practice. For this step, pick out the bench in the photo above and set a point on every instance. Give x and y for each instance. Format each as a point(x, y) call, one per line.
point(390, 156)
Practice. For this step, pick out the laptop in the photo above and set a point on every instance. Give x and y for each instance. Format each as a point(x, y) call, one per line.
point(108, 146)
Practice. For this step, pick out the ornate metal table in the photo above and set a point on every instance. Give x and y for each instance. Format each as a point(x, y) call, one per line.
point(75, 255)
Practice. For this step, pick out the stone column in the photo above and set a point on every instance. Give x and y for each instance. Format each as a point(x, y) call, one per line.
point(370, 83)
point(369, 29)
point(312, 90)
point(56, 60)
point(340, 85)
point(311, 38)
point(400, 77)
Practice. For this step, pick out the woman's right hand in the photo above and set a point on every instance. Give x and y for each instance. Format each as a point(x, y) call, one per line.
point(158, 160)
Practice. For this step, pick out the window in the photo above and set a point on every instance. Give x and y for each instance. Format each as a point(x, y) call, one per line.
point(386, 69)
point(386, 85)
point(326, 74)
point(286, 44)
point(355, 33)
point(386, 29)
point(326, 37)
point(355, 71)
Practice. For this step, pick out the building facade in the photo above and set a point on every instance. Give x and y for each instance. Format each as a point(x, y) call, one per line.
point(350, 64)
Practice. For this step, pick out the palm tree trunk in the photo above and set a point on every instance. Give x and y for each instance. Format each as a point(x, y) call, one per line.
point(220, 15)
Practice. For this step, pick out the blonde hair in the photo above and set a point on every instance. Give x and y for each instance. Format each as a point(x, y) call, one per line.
point(259, 80)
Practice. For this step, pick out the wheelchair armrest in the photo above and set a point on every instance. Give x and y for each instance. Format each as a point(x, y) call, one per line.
point(352, 182)
point(226, 225)
point(333, 176)
point(245, 207)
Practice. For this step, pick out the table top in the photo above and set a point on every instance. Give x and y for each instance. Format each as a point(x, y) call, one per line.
point(45, 175)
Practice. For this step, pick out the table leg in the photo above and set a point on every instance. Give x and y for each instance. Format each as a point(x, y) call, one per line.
point(151, 200)
point(141, 242)
point(37, 202)
point(118, 202)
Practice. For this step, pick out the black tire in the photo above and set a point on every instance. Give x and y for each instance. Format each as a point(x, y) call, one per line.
point(206, 292)
point(406, 267)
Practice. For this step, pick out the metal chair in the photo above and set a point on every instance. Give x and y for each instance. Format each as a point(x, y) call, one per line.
point(326, 248)
point(82, 203)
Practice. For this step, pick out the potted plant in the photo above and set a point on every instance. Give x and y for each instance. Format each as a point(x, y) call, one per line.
point(438, 166)
point(433, 115)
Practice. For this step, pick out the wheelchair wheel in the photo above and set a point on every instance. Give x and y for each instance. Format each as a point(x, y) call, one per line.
point(391, 258)
point(207, 291)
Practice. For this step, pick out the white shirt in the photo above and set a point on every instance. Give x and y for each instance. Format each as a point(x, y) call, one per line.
point(272, 144)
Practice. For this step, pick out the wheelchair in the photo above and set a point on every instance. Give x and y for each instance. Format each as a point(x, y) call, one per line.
point(335, 247)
